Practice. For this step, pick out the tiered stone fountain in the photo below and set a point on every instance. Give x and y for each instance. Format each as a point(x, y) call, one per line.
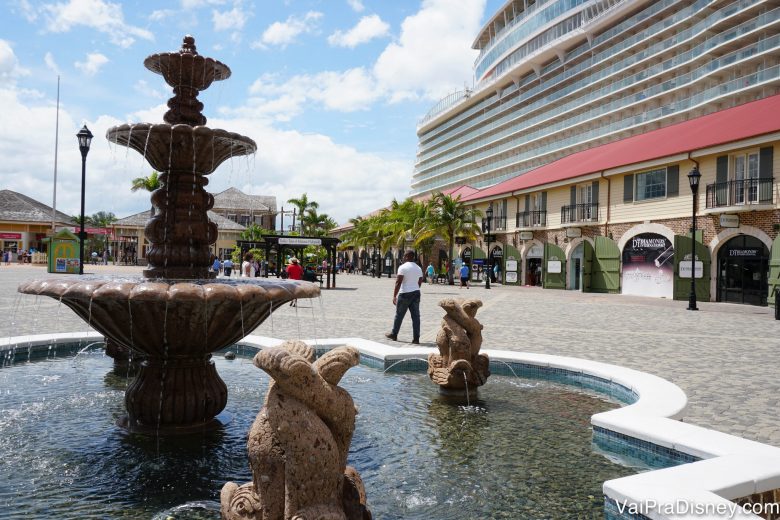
point(176, 316)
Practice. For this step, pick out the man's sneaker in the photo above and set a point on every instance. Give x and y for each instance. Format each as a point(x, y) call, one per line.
point(392, 336)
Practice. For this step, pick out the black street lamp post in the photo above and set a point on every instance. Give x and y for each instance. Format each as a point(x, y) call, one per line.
point(488, 220)
point(693, 180)
point(85, 139)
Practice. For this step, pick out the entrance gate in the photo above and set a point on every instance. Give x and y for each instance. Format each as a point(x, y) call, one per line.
point(774, 272)
point(682, 261)
point(554, 266)
point(601, 272)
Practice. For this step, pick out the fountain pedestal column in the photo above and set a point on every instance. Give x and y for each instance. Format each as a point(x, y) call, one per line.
point(180, 233)
point(175, 393)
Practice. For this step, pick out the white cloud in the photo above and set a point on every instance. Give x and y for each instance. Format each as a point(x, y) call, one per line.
point(9, 64)
point(143, 88)
point(368, 28)
point(195, 4)
point(347, 91)
point(235, 19)
point(282, 34)
point(433, 55)
point(159, 15)
point(92, 64)
point(97, 14)
point(50, 63)
point(356, 5)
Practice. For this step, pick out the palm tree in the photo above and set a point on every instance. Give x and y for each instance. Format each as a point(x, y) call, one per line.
point(302, 204)
point(103, 219)
point(449, 218)
point(253, 233)
point(316, 224)
point(150, 183)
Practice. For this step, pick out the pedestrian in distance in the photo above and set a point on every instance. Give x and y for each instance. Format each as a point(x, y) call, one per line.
point(294, 272)
point(248, 267)
point(216, 266)
point(406, 296)
point(227, 266)
point(464, 276)
point(431, 272)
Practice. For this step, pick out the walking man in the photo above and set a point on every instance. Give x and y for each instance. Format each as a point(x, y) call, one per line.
point(406, 295)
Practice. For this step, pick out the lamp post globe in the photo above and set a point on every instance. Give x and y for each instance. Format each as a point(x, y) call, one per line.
point(488, 222)
point(693, 180)
point(84, 137)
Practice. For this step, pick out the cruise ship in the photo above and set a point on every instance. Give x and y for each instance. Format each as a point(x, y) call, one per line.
point(554, 77)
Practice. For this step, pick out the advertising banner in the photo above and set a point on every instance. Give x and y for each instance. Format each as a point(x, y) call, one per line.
point(648, 266)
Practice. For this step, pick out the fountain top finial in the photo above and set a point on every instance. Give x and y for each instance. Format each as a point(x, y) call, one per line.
point(188, 45)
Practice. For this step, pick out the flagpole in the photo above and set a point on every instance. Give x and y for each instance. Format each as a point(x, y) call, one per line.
point(56, 147)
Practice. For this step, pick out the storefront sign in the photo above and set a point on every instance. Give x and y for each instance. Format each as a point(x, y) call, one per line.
point(93, 230)
point(292, 241)
point(554, 266)
point(536, 251)
point(648, 266)
point(526, 235)
point(511, 265)
point(11, 236)
point(685, 269)
point(745, 253)
point(466, 255)
point(729, 221)
point(511, 277)
point(573, 232)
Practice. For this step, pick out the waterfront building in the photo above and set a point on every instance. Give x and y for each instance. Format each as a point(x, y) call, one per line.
point(245, 209)
point(556, 77)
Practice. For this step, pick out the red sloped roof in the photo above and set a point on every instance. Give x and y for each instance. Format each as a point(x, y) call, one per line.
point(740, 122)
point(463, 191)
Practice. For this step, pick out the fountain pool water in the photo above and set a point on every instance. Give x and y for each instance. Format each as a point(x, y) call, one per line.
point(522, 449)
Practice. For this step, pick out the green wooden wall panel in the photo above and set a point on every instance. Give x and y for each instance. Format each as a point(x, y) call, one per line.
point(682, 286)
point(605, 272)
point(553, 280)
point(774, 271)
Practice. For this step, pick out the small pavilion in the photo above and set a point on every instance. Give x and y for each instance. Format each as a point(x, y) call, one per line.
point(281, 244)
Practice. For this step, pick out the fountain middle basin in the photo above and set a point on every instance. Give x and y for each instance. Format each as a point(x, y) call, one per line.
point(522, 449)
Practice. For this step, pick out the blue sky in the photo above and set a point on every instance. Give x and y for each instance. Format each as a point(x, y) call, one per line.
point(331, 91)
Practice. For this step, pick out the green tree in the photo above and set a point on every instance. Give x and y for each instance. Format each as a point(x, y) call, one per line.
point(103, 219)
point(253, 233)
point(449, 218)
point(150, 183)
point(302, 204)
point(316, 224)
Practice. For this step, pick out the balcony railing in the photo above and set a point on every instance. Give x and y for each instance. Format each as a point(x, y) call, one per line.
point(531, 219)
point(739, 192)
point(580, 212)
point(498, 223)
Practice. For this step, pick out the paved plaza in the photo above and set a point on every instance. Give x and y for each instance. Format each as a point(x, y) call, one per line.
point(725, 357)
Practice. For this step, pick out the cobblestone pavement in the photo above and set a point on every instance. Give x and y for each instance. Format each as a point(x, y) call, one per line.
point(725, 357)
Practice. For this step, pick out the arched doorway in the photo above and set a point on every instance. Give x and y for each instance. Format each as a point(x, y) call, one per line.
point(465, 256)
point(533, 264)
point(575, 265)
point(743, 264)
point(497, 264)
point(648, 266)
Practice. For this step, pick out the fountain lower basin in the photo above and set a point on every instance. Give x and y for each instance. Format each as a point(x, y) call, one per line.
point(422, 455)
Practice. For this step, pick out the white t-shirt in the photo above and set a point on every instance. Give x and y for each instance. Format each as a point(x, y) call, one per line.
point(247, 266)
point(412, 274)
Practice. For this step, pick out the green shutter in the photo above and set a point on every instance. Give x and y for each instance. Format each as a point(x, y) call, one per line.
point(573, 195)
point(774, 271)
point(527, 203)
point(553, 280)
point(673, 180)
point(544, 201)
point(765, 159)
point(682, 286)
point(721, 177)
point(595, 192)
point(587, 266)
point(628, 188)
point(605, 273)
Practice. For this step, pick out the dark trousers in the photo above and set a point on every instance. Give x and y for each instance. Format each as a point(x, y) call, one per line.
point(410, 301)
